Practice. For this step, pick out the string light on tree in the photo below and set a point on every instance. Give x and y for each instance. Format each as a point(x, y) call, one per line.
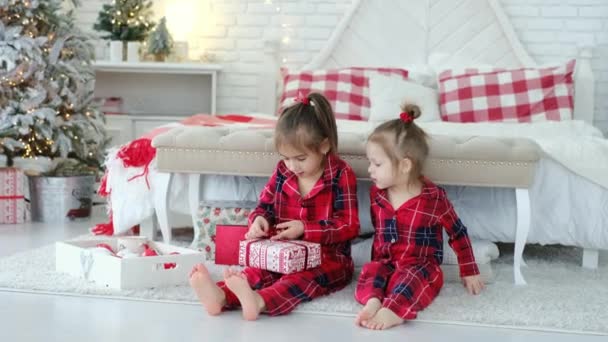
point(44, 84)
point(127, 20)
point(285, 27)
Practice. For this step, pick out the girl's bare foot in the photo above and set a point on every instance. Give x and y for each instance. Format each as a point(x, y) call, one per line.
point(383, 319)
point(251, 302)
point(229, 272)
point(208, 293)
point(369, 310)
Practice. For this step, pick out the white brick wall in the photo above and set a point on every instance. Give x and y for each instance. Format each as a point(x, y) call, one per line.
point(551, 30)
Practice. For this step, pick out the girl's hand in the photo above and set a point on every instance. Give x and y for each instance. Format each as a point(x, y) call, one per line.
point(474, 284)
point(259, 228)
point(291, 230)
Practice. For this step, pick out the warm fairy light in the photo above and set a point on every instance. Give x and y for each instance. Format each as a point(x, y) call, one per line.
point(286, 38)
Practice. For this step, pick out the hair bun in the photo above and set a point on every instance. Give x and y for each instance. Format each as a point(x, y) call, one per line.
point(412, 110)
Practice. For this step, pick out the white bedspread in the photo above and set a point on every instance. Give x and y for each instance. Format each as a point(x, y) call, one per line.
point(578, 146)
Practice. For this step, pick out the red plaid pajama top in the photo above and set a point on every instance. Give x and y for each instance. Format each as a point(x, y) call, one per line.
point(408, 248)
point(330, 216)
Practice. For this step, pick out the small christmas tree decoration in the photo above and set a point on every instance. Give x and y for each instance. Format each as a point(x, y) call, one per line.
point(160, 42)
point(125, 20)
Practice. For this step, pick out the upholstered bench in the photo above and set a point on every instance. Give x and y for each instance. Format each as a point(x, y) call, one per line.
point(474, 161)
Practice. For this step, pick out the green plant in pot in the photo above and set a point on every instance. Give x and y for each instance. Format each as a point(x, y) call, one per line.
point(125, 21)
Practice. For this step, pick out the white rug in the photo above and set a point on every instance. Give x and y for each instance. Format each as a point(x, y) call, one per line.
point(560, 296)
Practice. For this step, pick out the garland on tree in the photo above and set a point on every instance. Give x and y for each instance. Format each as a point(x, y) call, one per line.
point(46, 85)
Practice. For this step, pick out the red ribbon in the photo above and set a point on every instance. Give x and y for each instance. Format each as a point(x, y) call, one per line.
point(302, 99)
point(406, 117)
point(11, 197)
point(144, 174)
point(138, 153)
point(247, 250)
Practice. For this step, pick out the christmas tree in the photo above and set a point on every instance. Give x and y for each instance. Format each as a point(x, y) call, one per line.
point(46, 85)
point(160, 42)
point(126, 20)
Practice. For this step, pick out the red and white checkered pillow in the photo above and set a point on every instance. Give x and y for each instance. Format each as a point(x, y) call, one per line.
point(347, 89)
point(516, 95)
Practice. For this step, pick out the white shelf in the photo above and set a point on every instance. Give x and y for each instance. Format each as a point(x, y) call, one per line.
point(157, 67)
point(154, 94)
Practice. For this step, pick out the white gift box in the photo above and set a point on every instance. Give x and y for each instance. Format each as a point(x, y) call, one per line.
point(77, 259)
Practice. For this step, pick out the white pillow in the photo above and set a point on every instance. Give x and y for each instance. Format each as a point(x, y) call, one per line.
point(387, 93)
point(483, 250)
point(422, 74)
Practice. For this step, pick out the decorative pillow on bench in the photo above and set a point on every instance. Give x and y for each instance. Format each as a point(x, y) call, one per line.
point(387, 93)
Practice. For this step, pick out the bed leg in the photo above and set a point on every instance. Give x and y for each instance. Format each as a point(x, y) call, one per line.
point(590, 258)
point(194, 181)
point(522, 198)
point(149, 227)
point(161, 198)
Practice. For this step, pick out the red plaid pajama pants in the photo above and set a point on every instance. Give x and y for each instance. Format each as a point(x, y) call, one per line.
point(404, 290)
point(283, 292)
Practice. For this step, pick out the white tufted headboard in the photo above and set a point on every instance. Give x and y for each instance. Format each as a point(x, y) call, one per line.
point(402, 33)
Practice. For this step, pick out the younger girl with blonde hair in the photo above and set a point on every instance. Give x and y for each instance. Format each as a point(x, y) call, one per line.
point(409, 214)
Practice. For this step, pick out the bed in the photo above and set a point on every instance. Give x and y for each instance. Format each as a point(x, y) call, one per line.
point(569, 192)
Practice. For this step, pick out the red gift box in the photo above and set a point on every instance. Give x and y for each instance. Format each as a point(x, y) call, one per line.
point(279, 255)
point(227, 239)
point(13, 208)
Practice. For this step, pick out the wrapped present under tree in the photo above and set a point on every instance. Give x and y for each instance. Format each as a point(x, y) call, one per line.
point(13, 207)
